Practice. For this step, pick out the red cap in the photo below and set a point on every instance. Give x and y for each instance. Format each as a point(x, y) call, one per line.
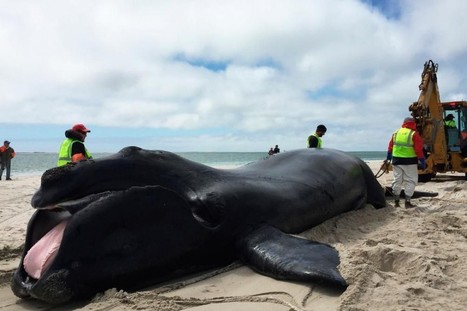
point(80, 128)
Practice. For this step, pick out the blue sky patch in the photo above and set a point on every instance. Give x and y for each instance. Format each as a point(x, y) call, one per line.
point(391, 9)
point(209, 64)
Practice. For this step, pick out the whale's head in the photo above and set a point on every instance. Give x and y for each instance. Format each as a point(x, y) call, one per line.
point(121, 221)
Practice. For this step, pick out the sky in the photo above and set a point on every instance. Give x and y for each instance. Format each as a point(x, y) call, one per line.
point(210, 75)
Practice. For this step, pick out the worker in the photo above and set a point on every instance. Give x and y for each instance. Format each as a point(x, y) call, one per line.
point(6, 154)
point(314, 140)
point(449, 121)
point(406, 150)
point(72, 148)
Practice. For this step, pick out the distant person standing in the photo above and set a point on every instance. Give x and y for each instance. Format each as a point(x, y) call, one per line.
point(314, 140)
point(276, 149)
point(6, 154)
point(406, 150)
point(72, 148)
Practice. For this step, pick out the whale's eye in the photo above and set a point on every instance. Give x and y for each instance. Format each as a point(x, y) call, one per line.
point(211, 214)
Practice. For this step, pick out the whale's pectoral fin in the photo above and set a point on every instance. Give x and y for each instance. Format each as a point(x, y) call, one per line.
point(271, 252)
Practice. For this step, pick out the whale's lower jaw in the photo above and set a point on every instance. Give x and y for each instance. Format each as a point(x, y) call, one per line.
point(52, 288)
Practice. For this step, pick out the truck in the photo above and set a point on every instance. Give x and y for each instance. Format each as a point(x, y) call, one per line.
point(445, 143)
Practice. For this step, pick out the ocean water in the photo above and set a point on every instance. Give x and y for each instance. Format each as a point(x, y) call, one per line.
point(36, 163)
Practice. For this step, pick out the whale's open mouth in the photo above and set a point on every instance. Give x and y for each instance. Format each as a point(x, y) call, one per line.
point(43, 252)
point(41, 255)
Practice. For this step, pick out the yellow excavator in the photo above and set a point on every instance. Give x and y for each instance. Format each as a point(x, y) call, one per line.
point(443, 127)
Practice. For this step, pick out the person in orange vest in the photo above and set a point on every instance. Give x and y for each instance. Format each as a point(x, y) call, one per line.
point(72, 148)
point(6, 154)
point(405, 149)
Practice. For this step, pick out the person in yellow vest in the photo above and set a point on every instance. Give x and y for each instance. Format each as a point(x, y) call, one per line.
point(6, 154)
point(72, 148)
point(449, 121)
point(314, 140)
point(406, 151)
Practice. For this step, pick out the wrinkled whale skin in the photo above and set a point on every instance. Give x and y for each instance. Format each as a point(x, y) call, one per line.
point(140, 217)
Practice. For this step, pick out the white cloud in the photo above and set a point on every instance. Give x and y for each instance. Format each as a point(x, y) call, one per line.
point(285, 66)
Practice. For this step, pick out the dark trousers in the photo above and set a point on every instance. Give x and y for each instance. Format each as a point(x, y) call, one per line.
point(6, 165)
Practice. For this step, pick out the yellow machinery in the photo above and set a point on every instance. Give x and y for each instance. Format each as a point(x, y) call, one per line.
point(445, 146)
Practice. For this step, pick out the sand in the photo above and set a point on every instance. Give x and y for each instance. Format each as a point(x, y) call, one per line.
point(392, 258)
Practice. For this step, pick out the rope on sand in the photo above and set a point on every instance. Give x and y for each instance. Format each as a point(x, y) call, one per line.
point(178, 285)
point(293, 305)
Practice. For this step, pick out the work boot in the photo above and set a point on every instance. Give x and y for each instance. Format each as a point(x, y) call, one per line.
point(396, 201)
point(408, 204)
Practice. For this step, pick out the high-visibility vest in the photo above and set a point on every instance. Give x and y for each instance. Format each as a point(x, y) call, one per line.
point(403, 143)
point(64, 155)
point(320, 142)
point(450, 123)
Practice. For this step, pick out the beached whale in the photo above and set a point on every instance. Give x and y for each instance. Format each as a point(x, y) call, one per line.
point(140, 217)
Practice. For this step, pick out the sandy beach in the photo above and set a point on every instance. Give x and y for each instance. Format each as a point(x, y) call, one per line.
point(392, 258)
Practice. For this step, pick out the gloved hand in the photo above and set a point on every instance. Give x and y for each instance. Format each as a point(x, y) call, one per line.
point(389, 156)
point(422, 163)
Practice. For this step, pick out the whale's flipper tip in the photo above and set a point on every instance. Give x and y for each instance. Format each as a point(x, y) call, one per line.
point(271, 252)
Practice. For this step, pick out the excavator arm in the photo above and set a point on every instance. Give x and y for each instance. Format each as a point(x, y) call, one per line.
point(428, 114)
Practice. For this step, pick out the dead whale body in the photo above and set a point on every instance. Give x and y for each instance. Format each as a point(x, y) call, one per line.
point(140, 217)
